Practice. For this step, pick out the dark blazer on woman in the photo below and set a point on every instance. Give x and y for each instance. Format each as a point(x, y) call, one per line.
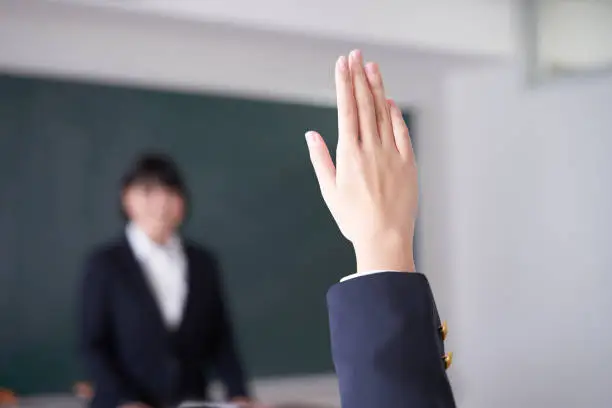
point(130, 354)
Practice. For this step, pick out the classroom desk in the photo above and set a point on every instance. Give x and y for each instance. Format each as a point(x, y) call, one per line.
point(67, 401)
point(307, 391)
point(51, 401)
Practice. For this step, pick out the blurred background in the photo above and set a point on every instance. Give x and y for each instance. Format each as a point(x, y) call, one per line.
point(509, 104)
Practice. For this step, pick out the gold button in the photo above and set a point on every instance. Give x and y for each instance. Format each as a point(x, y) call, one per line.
point(444, 330)
point(448, 360)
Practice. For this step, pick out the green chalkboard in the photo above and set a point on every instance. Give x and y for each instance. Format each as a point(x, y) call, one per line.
point(63, 147)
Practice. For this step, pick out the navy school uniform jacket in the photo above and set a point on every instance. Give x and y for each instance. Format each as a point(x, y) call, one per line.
point(387, 343)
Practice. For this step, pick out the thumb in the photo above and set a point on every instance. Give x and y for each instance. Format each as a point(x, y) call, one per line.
point(322, 163)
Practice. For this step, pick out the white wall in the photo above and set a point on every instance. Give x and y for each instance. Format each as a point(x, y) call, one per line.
point(435, 25)
point(530, 229)
point(152, 51)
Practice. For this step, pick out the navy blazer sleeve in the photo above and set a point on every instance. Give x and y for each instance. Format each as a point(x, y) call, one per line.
point(386, 343)
point(226, 359)
point(96, 337)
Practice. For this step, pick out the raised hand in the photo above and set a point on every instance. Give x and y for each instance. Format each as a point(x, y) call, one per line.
point(372, 191)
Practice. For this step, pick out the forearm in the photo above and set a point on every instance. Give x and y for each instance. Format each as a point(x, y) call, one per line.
point(104, 372)
point(227, 360)
point(230, 369)
point(96, 335)
point(392, 251)
point(232, 377)
point(385, 333)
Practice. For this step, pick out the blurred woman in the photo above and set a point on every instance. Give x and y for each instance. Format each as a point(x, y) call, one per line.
point(153, 316)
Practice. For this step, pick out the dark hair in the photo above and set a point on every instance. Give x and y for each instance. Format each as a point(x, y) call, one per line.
point(155, 169)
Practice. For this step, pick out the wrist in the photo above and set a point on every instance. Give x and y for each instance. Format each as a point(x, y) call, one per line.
point(391, 251)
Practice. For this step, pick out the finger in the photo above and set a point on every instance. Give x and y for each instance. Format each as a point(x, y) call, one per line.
point(348, 127)
point(368, 130)
point(400, 132)
point(322, 163)
point(383, 118)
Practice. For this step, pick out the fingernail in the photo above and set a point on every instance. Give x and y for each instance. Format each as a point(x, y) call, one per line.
point(342, 64)
point(356, 55)
point(371, 68)
point(311, 138)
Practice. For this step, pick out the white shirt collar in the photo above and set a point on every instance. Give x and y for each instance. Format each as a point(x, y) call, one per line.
point(143, 246)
